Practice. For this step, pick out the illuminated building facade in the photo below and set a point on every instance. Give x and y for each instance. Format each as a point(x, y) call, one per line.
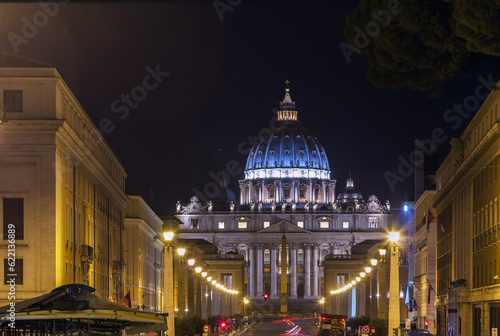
point(60, 185)
point(287, 189)
point(467, 206)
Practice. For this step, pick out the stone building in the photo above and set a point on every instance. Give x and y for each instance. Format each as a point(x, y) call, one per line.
point(61, 186)
point(424, 279)
point(286, 189)
point(144, 259)
point(467, 208)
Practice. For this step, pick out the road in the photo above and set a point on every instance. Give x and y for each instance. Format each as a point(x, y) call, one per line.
point(288, 327)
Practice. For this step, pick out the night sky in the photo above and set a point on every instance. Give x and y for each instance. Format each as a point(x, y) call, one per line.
point(225, 78)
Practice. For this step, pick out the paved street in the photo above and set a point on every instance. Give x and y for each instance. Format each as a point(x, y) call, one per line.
point(293, 326)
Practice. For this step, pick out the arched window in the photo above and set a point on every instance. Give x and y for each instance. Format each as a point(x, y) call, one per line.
point(267, 256)
point(324, 252)
point(243, 252)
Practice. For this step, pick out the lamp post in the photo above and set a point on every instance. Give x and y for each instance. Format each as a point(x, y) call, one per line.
point(168, 278)
point(394, 283)
point(322, 302)
point(382, 287)
point(191, 289)
point(181, 284)
point(245, 302)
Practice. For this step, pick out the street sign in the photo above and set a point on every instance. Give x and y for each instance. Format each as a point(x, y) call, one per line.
point(205, 328)
point(407, 324)
point(365, 330)
point(234, 321)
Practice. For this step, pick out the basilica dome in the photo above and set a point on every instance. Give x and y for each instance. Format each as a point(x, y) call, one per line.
point(350, 193)
point(289, 152)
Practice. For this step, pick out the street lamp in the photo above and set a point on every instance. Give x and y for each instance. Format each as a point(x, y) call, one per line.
point(181, 251)
point(168, 236)
point(168, 275)
point(382, 279)
point(197, 269)
point(322, 302)
point(394, 283)
point(245, 302)
point(373, 262)
point(191, 262)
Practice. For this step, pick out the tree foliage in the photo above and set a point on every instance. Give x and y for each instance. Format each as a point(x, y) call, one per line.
point(423, 43)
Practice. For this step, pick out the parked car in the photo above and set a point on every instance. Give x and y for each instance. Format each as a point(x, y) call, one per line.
point(419, 332)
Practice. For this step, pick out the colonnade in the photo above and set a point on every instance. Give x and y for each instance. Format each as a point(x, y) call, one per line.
point(256, 267)
point(314, 191)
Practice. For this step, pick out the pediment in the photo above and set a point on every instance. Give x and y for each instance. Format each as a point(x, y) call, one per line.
point(277, 228)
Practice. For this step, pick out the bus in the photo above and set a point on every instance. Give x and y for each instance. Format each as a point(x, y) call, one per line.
point(332, 325)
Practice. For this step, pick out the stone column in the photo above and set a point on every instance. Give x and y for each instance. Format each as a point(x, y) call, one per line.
point(251, 273)
point(293, 265)
point(274, 273)
point(250, 192)
point(323, 191)
point(307, 275)
point(314, 278)
point(277, 191)
point(311, 192)
point(261, 191)
point(260, 279)
point(296, 191)
point(331, 189)
point(243, 192)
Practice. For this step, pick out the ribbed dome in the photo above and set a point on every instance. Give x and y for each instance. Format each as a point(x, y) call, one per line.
point(292, 151)
point(292, 147)
point(350, 193)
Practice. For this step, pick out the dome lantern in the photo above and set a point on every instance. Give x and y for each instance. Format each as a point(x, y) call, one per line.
point(287, 110)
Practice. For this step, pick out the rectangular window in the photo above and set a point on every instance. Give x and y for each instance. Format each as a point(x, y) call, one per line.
point(300, 270)
point(345, 224)
point(267, 270)
point(13, 213)
point(324, 225)
point(266, 224)
point(300, 256)
point(194, 223)
point(221, 225)
point(341, 278)
point(15, 271)
point(242, 225)
point(300, 224)
point(13, 100)
point(372, 223)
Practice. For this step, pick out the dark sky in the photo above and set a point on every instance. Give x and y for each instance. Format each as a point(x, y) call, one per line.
point(225, 78)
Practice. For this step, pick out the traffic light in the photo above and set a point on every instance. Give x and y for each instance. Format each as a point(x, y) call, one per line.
point(426, 324)
point(323, 318)
point(265, 295)
point(222, 325)
point(395, 331)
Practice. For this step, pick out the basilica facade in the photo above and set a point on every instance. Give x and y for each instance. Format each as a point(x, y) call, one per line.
point(287, 190)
